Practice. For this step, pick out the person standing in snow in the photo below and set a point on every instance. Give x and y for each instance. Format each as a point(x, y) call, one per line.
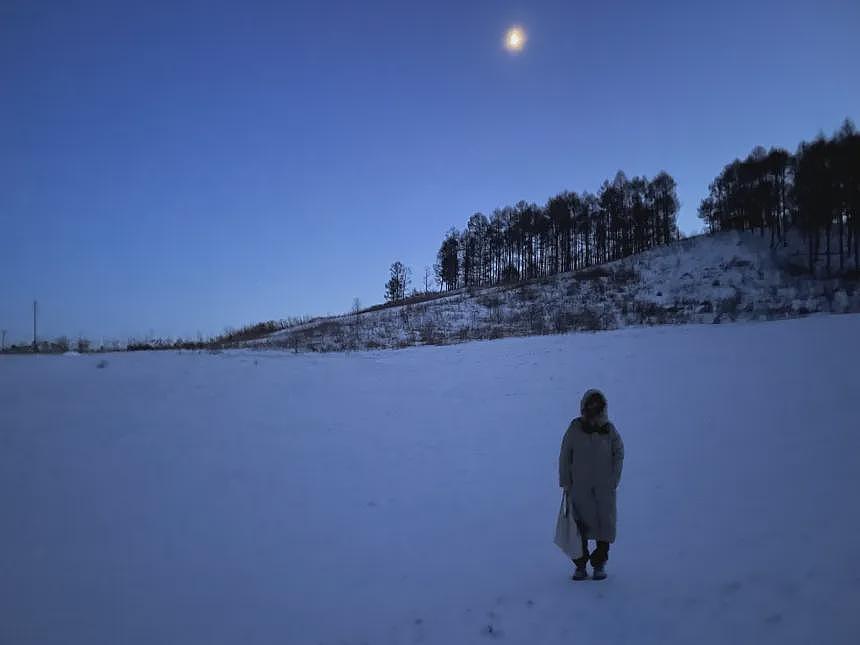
point(589, 470)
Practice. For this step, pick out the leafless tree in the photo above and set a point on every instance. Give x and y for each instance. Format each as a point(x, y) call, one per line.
point(428, 278)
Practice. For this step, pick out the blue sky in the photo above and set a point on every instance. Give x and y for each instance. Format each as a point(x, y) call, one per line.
point(174, 167)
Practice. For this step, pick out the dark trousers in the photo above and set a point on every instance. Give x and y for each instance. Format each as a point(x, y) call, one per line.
point(598, 557)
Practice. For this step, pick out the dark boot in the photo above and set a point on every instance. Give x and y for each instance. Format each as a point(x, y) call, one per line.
point(581, 573)
point(599, 559)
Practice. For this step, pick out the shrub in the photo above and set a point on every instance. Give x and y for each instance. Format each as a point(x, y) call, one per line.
point(586, 320)
point(738, 263)
point(428, 334)
point(796, 270)
point(624, 275)
point(593, 273)
point(729, 306)
point(527, 293)
point(536, 321)
point(258, 330)
point(647, 309)
point(495, 315)
point(598, 288)
point(490, 301)
point(562, 321)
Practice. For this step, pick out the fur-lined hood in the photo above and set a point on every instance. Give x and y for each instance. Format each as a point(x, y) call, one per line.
point(603, 418)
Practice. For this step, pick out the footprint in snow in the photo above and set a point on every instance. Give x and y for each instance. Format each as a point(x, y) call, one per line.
point(490, 631)
point(418, 630)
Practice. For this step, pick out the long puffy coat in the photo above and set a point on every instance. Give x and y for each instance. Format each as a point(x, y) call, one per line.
point(589, 468)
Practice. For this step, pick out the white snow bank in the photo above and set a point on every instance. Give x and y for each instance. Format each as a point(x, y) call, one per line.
point(400, 497)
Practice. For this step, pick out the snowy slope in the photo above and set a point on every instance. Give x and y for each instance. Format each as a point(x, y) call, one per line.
point(720, 278)
point(410, 497)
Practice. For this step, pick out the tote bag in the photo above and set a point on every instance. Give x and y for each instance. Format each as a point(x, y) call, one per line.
point(566, 532)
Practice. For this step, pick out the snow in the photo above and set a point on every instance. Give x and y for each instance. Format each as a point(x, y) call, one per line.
point(715, 278)
point(410, 496)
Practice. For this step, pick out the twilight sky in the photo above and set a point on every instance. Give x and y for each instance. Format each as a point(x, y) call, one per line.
point(174, 167)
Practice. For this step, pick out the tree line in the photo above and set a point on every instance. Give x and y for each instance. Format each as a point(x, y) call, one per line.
point(816, 190)
point(229, 337)
point(571, 231)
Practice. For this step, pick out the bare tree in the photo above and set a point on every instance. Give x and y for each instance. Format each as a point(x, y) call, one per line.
point(356, 306)
point(428, 278)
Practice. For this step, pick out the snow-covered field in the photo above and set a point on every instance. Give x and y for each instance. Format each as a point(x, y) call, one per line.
point(410, 496)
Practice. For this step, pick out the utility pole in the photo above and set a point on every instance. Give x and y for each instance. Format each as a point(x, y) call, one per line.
point(35, 346)
point(3, 343)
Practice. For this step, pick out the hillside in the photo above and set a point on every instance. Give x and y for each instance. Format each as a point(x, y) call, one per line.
point(410, 497)
point(725, 277)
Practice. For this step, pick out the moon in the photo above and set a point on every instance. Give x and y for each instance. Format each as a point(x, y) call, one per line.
point(515, 39)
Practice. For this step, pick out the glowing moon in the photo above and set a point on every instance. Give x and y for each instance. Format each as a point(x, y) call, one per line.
point(515, 39)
